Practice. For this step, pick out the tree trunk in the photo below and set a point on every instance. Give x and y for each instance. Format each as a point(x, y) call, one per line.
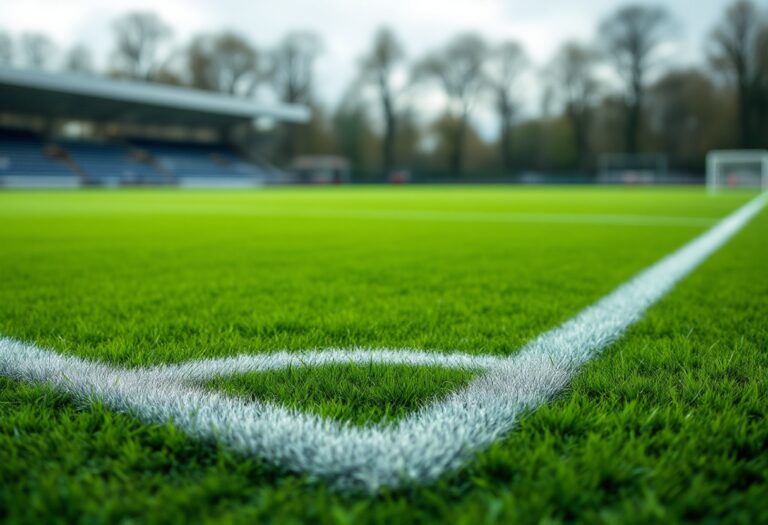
point(582, 141)
point(457, 153)
point(388, 145)
point(288, 149)
point(505, 147)
point(390, 125)
point(289, 146)
point(579, 128)
point(745, 139)
point(634, 109)
point(632, 126)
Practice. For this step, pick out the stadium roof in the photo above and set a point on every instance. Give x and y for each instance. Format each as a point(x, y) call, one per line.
point(104, 99)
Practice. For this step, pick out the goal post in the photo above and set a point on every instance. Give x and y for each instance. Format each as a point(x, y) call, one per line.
point(737, 169)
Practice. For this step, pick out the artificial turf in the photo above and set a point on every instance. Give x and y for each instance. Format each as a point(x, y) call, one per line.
point(667, 425)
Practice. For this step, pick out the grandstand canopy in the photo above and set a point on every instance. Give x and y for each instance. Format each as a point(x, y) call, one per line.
point(86, 97)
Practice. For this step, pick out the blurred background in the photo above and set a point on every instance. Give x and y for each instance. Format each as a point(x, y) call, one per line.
point(395, 91)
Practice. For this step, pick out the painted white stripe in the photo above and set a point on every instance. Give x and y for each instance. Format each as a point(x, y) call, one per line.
point(209, 368)
point(420, 447)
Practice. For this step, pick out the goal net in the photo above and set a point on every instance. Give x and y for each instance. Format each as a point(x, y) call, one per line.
point(737, 169)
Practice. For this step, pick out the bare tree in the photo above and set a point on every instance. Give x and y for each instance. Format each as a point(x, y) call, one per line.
point(575, 86)
point(458, 68)
point(224, 62)
point(353, 132)
point(632, 36)
point(6, 49)
point(685, 115)
point(738, 48)
point(139, 37)
point(36, 50)
point(292, 66)
point(503, 69)
point(378, 69)
point(79, 60)
point(761, 85)
point(291, 73)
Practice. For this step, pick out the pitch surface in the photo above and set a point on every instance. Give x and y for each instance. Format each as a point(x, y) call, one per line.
point(665, 425)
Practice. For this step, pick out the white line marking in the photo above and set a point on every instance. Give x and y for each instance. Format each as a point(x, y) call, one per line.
point(209, 368)
point(419, 448)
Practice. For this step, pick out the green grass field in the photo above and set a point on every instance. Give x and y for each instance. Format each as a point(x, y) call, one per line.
point(668, 425)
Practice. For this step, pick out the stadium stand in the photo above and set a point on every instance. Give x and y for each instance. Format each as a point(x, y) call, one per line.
point(193, 164)
point(25, 160)
point(110, 152)
point(188, 160)
point(111, 164)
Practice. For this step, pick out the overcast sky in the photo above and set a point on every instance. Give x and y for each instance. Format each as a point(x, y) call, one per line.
point(346, 26)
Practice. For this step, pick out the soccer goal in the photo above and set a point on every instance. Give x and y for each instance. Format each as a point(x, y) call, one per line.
point(737, 169)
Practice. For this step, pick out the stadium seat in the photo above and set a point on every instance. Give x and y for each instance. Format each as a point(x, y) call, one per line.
point(111, 164)
point(23, 154)
point(26, 159)
point(209, 161)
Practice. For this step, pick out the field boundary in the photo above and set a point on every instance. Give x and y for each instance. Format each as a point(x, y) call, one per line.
point(419, 448)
